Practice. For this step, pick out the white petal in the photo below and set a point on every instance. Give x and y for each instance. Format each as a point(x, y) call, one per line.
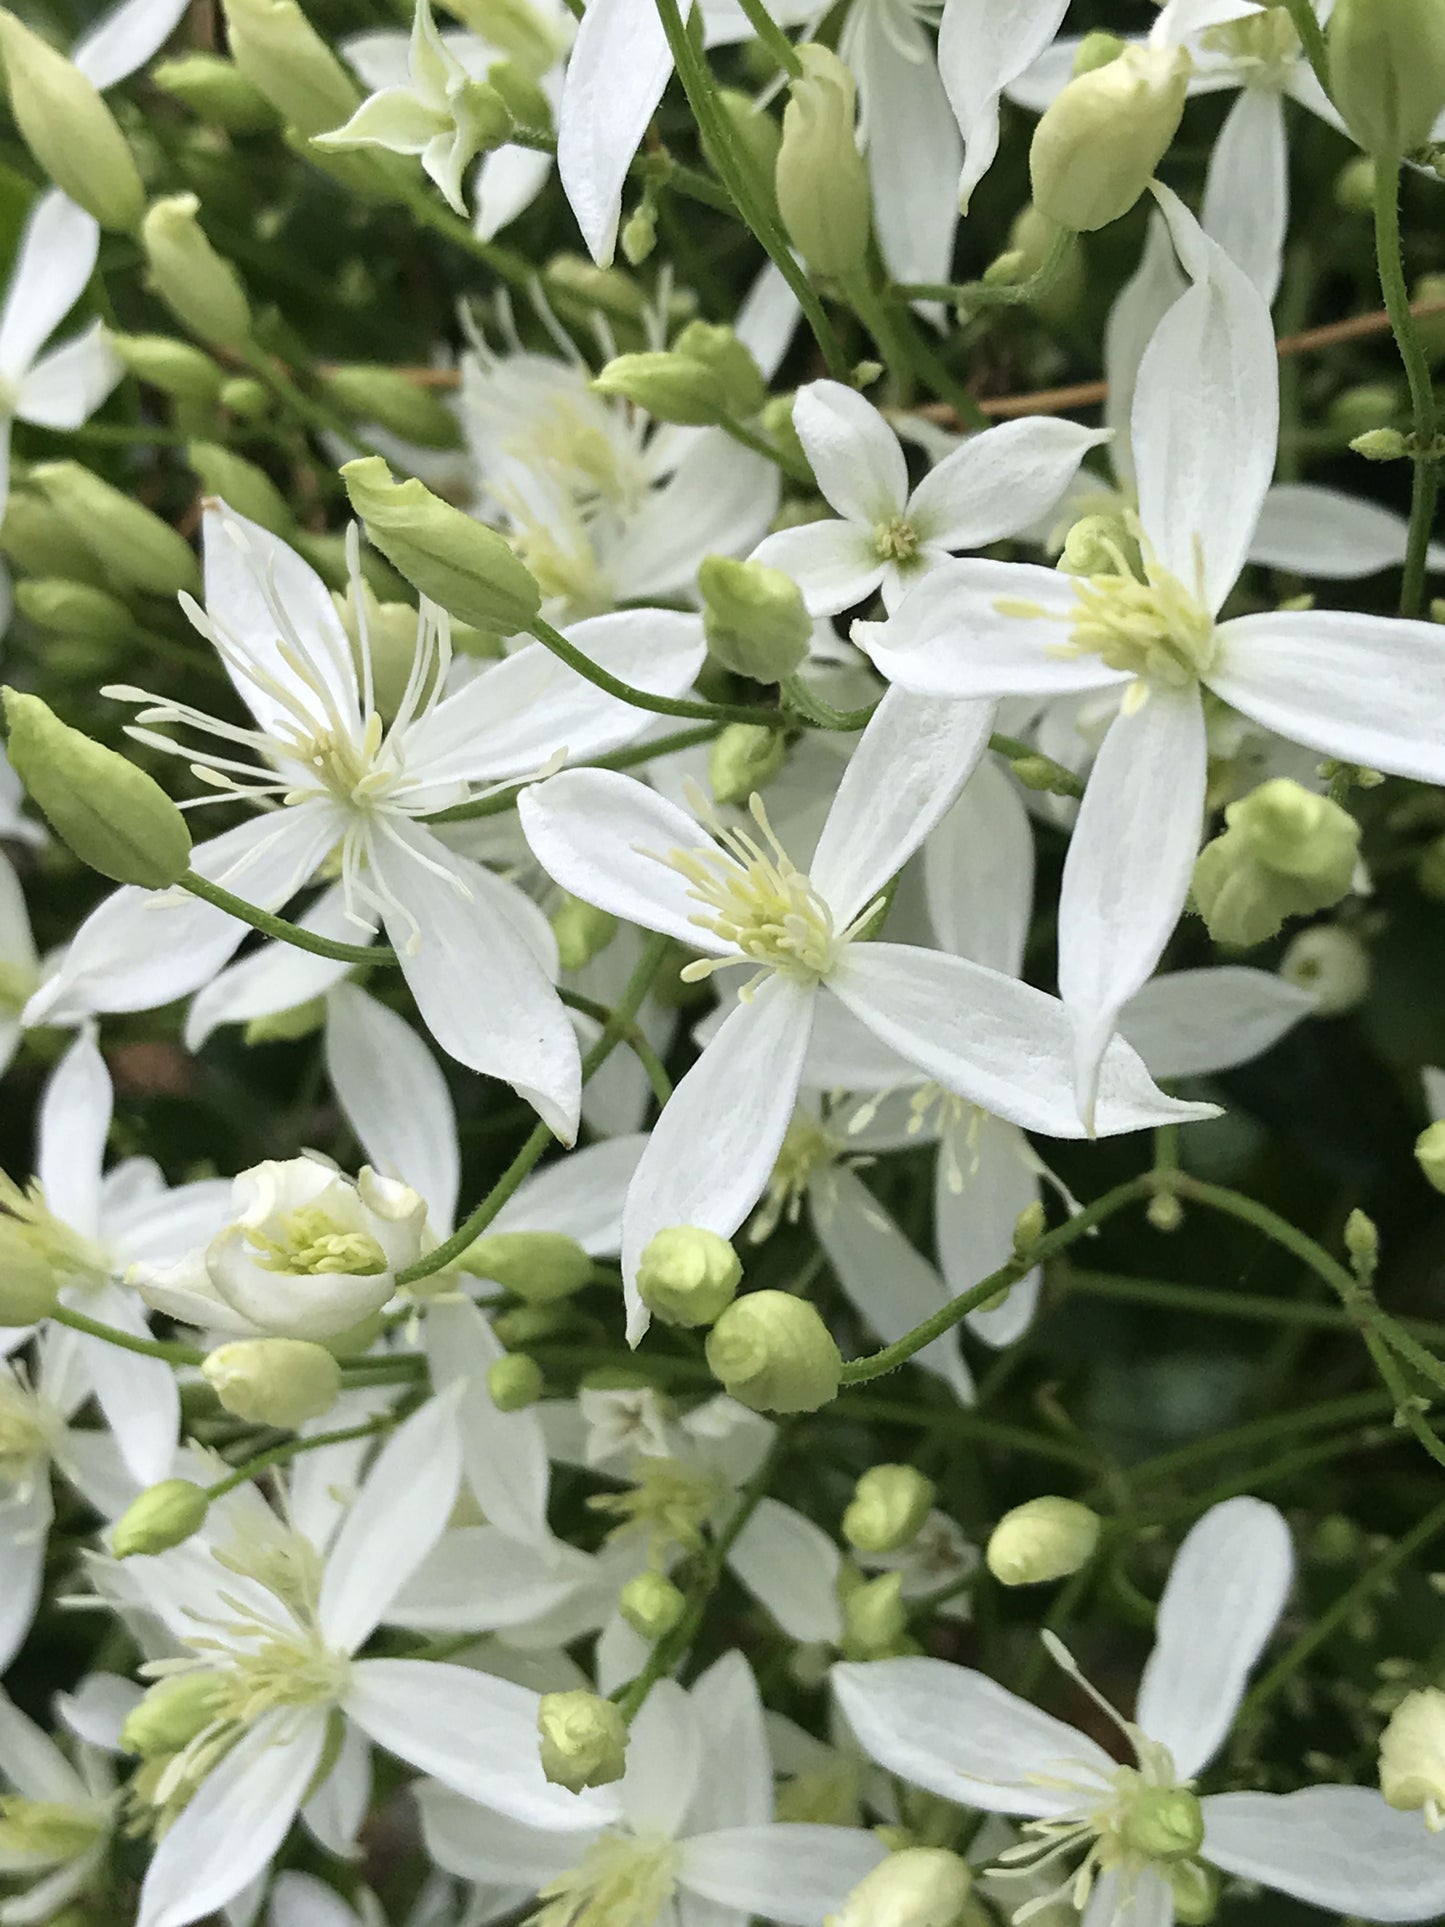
point(24, 1527)
point(1246, 192)
point(65, 387)
point(974, 1223)
point(911, 762)
point(74, 1120)
point(580, 1195)
point(1226, 1591)
point(475, 1844)
point(978, 873)
point(1149, 1902)
point(999, 482)
point(1141, 304)
point(335, 1811)
point(713, 1149)
point(395, 1098)
point(57, 254)
point(663, 1754)
point(138, 1396)
point(960, 1734)
point(477, 1579)
point(274, 976)
point(797, 1873)
point(854, 454)
point(505, 185)
point(32, 1763)
point(123, 41)
point(790, 1566)
point(229, 1831)
point(768, 319)
point(1325, 533)
point(913, 145)
point(834, 564)
point(305, 1900)
point(1368, 689)
point(504, 1453)
point(1129, 865)
point(1189, 1023)
point(719, 500)
point(1338, 1847)
point(397, 1517)
point(1044, 79)
point(735, 1788)
point(1206, 417)
point(983, 45)
point(615, 77)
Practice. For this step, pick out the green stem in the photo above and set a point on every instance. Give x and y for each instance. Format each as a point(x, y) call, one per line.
point(1234, 1204)
point(632, 1036)
point(640, 698)
point(760, 445)
point(1353, 1409)
point(504, 800)
point(1426, 482)
point(1306, 24)
point(293, 1448)
point(305, 409)
point(282, 930)
point(993, 294)
point(1408, 1405)
point(1062, 782)
point(1209, 1303)
point(799, 696)
point(773, 37)
point(172, 1353)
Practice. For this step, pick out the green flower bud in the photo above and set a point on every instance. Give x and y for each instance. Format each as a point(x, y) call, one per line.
point(1332, 965)
point(516, 27)
point(538, 1266)
point(1096, 50)
point(28, 1284)
point(201, 289)
point(69, 129)
point(875, 1619)
point(289, 64)
point(1387, 71)
point(1355, 186)
point(1412, 1756)
point(1365, 405)
point(778, 426)
point(773, 1352)
point(719, 349)
point(246, 398)
point(274, 1381)
point(744, 758)
point(39, 541)
point(514, 1382)
point(1430, 327)
point(1196, 1892)
point(391, 638)
point(1029, 1226)
point(753, 129)
point(915, 1887)
point(753, 618)
point(170, 1715)
point(73, 609)
point(111, 814)
point(164, 1515)
point(582, 932)
point(673, 387)
point(135, 546)
point(241, 485)
point(531, 1324)
point(1284, 852)
point(217, 90)
point(1096, 148)
point(639, 236)
point(398, 403)
point(821, 178)
point(1381, 445)
point(1429, 1155)
point(584, 1740)
point(443, 552)
point(523, 99)
point(1045, 1539)
point(175, 367)
point(1032, 236)
point(1362, 1242)
point(611, 290)
point(889, 1506)
point(651, 1605)
point(688, 1276)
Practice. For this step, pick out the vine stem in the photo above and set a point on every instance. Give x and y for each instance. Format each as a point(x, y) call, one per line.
point(172, 1352)
point(1426, 484)
point(1305, 22)
point(293, 1448)
point(280, 928)
point(567, 652)
point(504, 800)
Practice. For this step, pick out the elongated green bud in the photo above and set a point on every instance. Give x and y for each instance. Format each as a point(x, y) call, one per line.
point(673, 387)
point(537, 1266)
point(164, 1515)
point(134, 544)
point(756, 132)
point(398, 403)
point(248, 399)
point(1284, 852)
point(175, 367)
point(719, 349)
point(170, 1715)
point(744, 757)
point(29, 1284)
point(875, 1619)
point(444, 553)
point(889, 1507)
point(1387, 71)
point(274, 1381)
point(584, 1740)
point(115, 817)
point(582, 932)
point(1096, 148)
point(289, 64)
point(241, 485)
point(39, 541)
point(69, 129)
point(773, 1352)
point(915, 1887)
point(523, 99)
point(200, 288)
point(73, 609)
point(217, 90)
point(753, 618)
point(651, 1604)
point(1429, 1155)
point(1045, 1539)
point(688, 1276)
point(821, 178)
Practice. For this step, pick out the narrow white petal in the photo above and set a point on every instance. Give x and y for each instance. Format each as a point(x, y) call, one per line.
point(504, 1453)
point(978, 873)
point(1141, 304)
point(799, 1874)
point(65, 387)
point(138, 1396)
point(790, 1566)
point(1149, 1901)
point(57, 253)
point(1324, 533)
point(1246, 192)
point(834, 564)
point(980, 1187)
point(615, 78)
point(274, 976)
point(983, 45)
point(336, 1810)
point(123, 41)
point(664, 1751)
point(74, 1120)
point(24, 1528)
point(1338, 1847)
point(913, 145)
point(999, 482)
point(476, 1844)
point(855, 456)
point(395, 1098)
point(580, 1195)
point(477, 1579)
point(1189, 1023)
point(31, 1761)
point(719, 500)
point(1044, 79)
point(735, 1788)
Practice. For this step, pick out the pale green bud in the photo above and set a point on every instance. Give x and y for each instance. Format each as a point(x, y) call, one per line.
point(772, 1352)
point(889, 1507)
point(69, 129)
point(582, 932)
point(610, 289)
point(217, 90)
point(73, 609)
point(1429, 1155)
point(136, 547)
point(1029, 1226)
point(753, 618)
point(170, 1715)
point(200, 288)
point(639, 236)
point(1412, 1756)
point(1005, 269)
point(514, 1382)
point(1095, 544)
point(915, 1887)
point(1040, 773)
point(1364, 405)
point(538, 1266)
point(248, 399)
point(111, 814)
point(1196, 1892)
point(1096, 148)
point(1096, 50)
point(688, 1276)
point(744, 758)
point(1163, 1823)
point(1387, 71)
point(1284, 852)
point(40, 541)
point(1044, 1539)
point(1362, 1242)
point(288, 62)
point(820, 176)
point(523, 99)
point(28, 1284)
point(875, 1619)
point(1355, 185)
point(1332, 965)
point(651, 1605)
point(274, 1381)
point(391, 629)
point(515, 26)
point(175, 367)
point(584, 1740)
point(164, 1515)
point(1430, 327)
point(673, 387)
point(531, 1324)
point(781, 430)
point(286, 1026)
point(398, 403)
point(1032, 237)
point(719, 349)
point(759, 136)
point(241, 486)
point(1381, 445)
point(444, 553)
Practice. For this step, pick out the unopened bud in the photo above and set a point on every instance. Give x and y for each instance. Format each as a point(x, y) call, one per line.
point(1381, 445)
point(889, 1507)
point(753, 618)
point(69, 129)
point(611, 290)
point(200, 288)
point(915, 1887)
point(1045, 1539)
point(164, 1515)
point(1040, 773)
point(288, 62)
point(514, 1382)
point(719, 349)
point(1364, 404)
point(582, 932)
point(1285, 851)
point(217, 90)
point(651, 1605)
point(397, 403)
point(170, 1715)
point(1029, 1226)
point(1096, 50)
point(537, 1266)
point(444, 553)
point(1362, 1242)
point(1412, 1757)
point(1332, 965)
point(1355, 185)
point(1096, 148)
point(522, 1325)
point(29, 1284)
point(773, 1352)
point(673, 387)
point(1387, 71)
point(1165, 1212)
point(754, 130)
point(744, 758)
point(820, 176)
point(782, 431)
point(241, 486)
point(688, 1276)
point(1163, 1823)
point(73, 609)
point(175, 367)
point(639, 236)
point(1430, 288)
point(248, 399)
point(584, 1740)
point(1429, 1155)
point(111, 814)
point(1096, 544)
point(39, 541)
point(135, 545)
point(875, 1619)
point(274, 1381)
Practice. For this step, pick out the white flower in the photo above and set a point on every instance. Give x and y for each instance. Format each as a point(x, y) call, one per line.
point(738, 899)
point(57, 1820)
point(1367, 689)
point(1114, 1837)
point(889, 538)
point(123, 40)
point(19, 963)
point(687, 1835)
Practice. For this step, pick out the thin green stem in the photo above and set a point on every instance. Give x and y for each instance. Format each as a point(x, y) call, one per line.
point(1209, 1303)
point(993, 294)
point(280, 928)
point(799, 696)
point(1306, 24)
point(1061, 781)
point(641, 698)
point(1353, 1409)
point(293, 1448)
point(632, 1036)
point(1426, 484)
point(504, 800)
point(305, 409)
point(773, 37)
point(760, 445)
point(168, 1349)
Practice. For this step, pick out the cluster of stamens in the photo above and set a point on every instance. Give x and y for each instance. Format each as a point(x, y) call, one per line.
point(621, 1881)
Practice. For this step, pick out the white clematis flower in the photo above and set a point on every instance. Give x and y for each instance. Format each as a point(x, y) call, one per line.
point(1367, 689)
point(1114, 1838)
point(890, 538)
point(738, 898)
point(57, 1820)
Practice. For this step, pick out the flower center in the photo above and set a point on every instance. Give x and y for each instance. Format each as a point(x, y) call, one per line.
point(24, 1437)
point(309, 1242)
point(45, 1833)
point(621, 1881)
point(895, 540)
point(33, 1239)
point(347, 771)
point(1264, 48)
point(808, 1148)
point(670, 1502)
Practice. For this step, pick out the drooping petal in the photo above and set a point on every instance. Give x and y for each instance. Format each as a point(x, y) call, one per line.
point(983, 45)
point(663, 1755)
point(797, 1873)
point(1140, 305)
point(855, 456)
point(478, 1578)
point(999, 482)
point(505, 185)
point(913, 146)
point(790, 1566)
point(1246, 191)
point(978, 873)
point(57, 254)
point(505, 1453)
point(334, 1813)
point(962, 1735)
point(713, 1149)
point(615, 77)
point(274, 976)
point(74, 1120)
point(834, 564)
point(718, 500)
point(982, 1182)
point(1337, 1847)
point(1149, 1902)
point(31, 1761)
point(1225, 1594)
point(1189, 1023)
point(123, 41)
point(1367, 689)
point(581, 1195)
point(1324, 533)
point(65, 387)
